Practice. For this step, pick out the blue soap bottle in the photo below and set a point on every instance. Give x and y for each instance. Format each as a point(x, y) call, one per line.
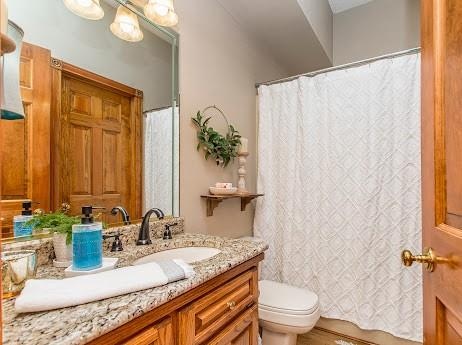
point(19, 226)
point(87, 242)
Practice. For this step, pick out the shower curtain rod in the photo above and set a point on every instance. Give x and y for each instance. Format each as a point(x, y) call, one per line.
point(340, 67)
point(157, 109)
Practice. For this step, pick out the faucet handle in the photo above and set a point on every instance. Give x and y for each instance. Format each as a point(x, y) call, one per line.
point(117, 244)
point(168, 231)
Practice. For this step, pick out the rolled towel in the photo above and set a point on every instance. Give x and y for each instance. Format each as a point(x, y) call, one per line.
point(48, 294)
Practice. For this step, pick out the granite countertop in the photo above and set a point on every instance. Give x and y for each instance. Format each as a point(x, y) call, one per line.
point(80, 324)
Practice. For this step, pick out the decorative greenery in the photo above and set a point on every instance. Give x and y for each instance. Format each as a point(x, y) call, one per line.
point(223, 149)
point(57, 222)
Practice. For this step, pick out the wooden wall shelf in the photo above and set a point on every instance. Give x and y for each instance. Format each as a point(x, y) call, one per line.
point(7, 44)
point(214, 200)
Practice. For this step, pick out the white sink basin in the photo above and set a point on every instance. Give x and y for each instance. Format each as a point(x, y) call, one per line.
point(188, 254)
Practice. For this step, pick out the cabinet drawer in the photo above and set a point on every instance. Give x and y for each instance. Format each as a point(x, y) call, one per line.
point(160, 333)
point(205, 316)
point(243, 330)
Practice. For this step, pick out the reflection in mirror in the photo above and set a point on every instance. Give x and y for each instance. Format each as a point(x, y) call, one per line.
point(101, 115)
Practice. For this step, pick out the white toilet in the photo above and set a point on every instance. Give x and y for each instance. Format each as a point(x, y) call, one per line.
point(285, 312)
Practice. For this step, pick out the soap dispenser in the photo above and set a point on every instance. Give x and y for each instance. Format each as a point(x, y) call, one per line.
point(19, 226)
point(87, 242)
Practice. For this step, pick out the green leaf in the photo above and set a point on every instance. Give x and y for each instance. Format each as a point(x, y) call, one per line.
point(222, 148)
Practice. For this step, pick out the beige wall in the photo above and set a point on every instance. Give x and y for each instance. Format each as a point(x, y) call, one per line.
point(319, 14)
point(219, 64)
point(376, 28)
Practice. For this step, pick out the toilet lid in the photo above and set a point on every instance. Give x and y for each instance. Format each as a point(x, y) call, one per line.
point(288, 299)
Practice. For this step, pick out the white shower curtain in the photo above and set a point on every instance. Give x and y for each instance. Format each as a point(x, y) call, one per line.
point(339, 163)
point(161, 161)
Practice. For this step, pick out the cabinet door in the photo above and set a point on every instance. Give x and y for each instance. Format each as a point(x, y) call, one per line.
point(158, 334)
point(242, 331)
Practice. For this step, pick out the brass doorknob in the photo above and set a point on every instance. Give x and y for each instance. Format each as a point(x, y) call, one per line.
point(65, 207)
point(39, 212)
point(428, 258)
point(231, 305)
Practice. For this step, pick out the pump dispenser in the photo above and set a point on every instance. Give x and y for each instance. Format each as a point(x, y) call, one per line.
point(19, 227)
point(87, 215)
point(87, 242)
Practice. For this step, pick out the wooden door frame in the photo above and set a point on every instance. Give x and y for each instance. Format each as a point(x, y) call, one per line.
point(60, 69)
point(35, 89)
point(430, 93)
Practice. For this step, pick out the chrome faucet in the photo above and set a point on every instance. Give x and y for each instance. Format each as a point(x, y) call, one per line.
point(123, 212)
point(143, 236)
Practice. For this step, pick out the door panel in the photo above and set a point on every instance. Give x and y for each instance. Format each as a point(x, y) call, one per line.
point(81, 141)
point(441, 168)
point(25, 149)
point(158, 334)
point(453, 107)
point(110, 154)
point(449, 326)
point(242, 331)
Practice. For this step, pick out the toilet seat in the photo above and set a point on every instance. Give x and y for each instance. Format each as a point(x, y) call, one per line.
point(287, 305)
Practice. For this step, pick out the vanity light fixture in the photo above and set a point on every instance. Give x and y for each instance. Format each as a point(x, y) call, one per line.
point(161, 12)
point(88, 9)
point(126, 25)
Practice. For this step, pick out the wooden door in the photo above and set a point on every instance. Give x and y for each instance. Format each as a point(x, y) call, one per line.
point(442, 168)
point(97, 160)
point(25, 149)
point(242, 331)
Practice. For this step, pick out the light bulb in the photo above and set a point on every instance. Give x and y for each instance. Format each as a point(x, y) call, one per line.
point(88, 9)
point(85, 3)
point(126, 25)
point(161, 10)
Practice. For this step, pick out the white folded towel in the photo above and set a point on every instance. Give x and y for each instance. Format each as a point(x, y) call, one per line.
point(48, 294)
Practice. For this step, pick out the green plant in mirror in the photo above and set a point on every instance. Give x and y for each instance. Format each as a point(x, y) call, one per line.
point(56, 222)
point(222, 148)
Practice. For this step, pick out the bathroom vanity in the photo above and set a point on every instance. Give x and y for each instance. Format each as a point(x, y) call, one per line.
point(222, 310)
point(218, 305)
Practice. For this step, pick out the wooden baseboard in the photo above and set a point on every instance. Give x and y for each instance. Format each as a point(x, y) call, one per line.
point(322, 336)
point(341, 333)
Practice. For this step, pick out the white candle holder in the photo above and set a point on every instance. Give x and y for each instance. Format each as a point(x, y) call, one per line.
point(242, 172)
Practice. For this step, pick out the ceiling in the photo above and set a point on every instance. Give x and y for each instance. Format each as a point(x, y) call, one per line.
point(283, 30)
point(338, 6)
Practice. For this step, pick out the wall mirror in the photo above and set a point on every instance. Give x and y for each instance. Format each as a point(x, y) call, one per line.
point(101, 113)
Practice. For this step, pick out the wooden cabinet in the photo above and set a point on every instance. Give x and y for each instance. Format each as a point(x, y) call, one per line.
point(221, 311)
point(243, 330)
point(159, 334)
point(202, 318)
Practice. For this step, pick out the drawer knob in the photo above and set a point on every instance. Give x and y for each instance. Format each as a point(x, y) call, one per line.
point(231, 305)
